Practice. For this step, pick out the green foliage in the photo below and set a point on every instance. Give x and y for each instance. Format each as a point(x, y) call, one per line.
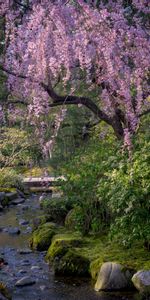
point(41, 238)
point(127, 191)
point(84, 172)
point(16, 147)
point(111, 192)
point(10, 179)
point(56, 209)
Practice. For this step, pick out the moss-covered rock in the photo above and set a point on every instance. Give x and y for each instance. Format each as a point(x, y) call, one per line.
point(71, 264)
point(62, 254)
point(56, 209)
point(72, 220)
point(41, 238)
point(61, 243)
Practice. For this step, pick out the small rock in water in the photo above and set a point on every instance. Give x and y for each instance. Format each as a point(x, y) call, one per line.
point(24, 251)
point(35, 268)
point(14, 231)
point(25, 281)
point(22, 272)
point(43, 287)
point(5, 229)
point(18, 201)
point(25, 262)
point(25, 207)
point(23, 222)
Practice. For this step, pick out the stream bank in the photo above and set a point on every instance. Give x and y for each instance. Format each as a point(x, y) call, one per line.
point(22, 262)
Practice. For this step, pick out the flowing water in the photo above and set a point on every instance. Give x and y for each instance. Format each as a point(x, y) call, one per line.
point(32, 264)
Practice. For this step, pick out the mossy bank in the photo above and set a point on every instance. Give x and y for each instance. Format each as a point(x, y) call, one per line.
point(72, 254)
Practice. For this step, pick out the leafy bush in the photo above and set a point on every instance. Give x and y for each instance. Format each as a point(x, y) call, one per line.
point(16, 147)
point(56, 209)
point(111, 190)
point(9, 179)
point(127, 192)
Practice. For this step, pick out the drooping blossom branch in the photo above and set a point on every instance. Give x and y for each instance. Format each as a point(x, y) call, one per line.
point(106, 43)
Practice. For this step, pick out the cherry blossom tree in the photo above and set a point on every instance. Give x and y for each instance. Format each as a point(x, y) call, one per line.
point(104, 44)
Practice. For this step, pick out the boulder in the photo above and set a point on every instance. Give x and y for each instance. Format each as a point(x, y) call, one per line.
point(64, 258)
point(41, 238)
point(25, 281)
point(11, 196)
point(141, 281)
point(113, 276)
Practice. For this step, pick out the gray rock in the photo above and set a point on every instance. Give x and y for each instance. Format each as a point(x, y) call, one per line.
point(2, 196)
point(23, 222)
point(14, 231)
point(25, 207)
point(24, 251)
point(25, 262)
point(113, 276)
point(1, 207)
point(5, 229)
point(11, 196)
point(22, 272)
point(25, 281)
point(141, 281)
point(35, 268)
point(18, 201)
point(21, 194)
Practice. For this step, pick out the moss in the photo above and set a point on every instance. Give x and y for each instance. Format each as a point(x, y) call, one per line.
point(71, 264)
point(61, 243)
point(72, 218)
point(4, 291)
point(41, 238)
point(100, 250)
point(7, 190)
point(62, 253)
point(95, 267)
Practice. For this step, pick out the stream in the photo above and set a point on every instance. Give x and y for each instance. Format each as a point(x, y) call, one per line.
point(21, 261)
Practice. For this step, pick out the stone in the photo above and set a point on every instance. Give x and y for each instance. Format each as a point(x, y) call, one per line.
point(22, 272)
point(141, 281)
point(11, 196)
point(64, 258)
point(18, 201)
point(2, 196)
point(23, 222)
point(35, 268)
point(1, 207)
point(14, 231)
point(25, 207)
point(41, 237)
point(21, 194)
point(24, 251)
point(25, 281)
point(113, 276)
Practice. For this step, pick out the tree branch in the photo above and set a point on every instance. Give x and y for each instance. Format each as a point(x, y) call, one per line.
point(69, 99)
point(115, 121)
point(146, 112)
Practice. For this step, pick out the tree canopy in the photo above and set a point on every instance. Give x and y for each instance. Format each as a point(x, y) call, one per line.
point(104, 44)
